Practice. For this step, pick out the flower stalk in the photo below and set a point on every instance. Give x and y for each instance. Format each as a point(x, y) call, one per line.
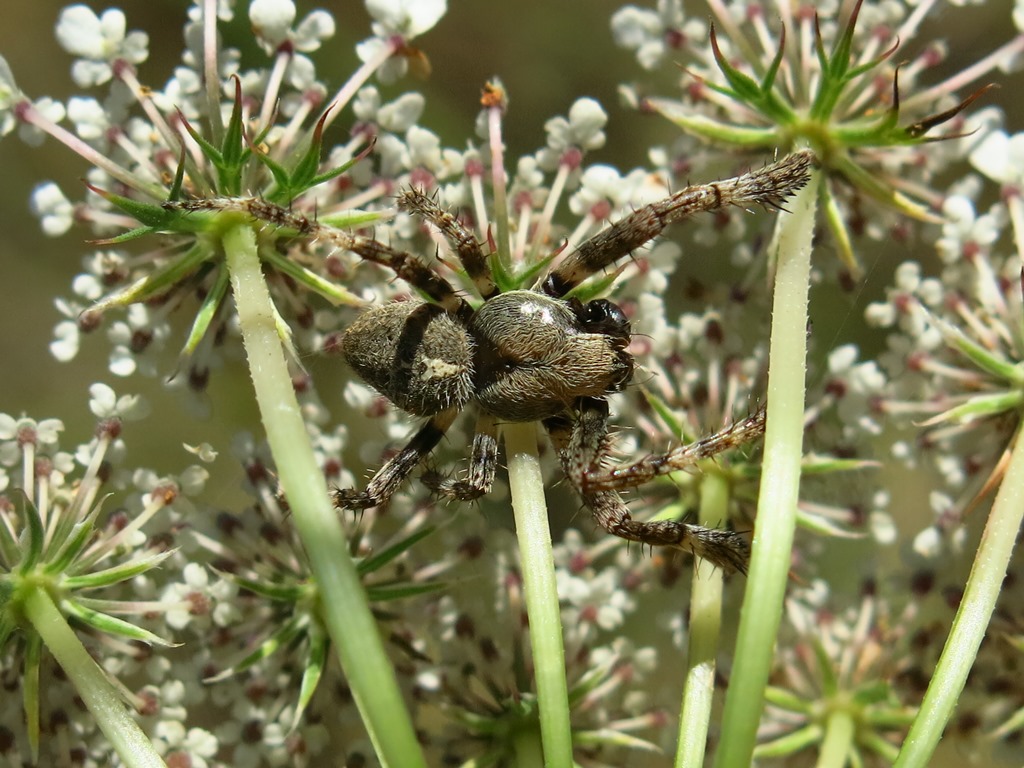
point(343, 600)
point(972, 617)
point(102, 698)
point(531, 515)
point(705, 624)
point(836, 747)
point(780, 484)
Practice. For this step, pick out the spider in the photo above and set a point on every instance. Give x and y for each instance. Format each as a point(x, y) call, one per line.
point(527, 355)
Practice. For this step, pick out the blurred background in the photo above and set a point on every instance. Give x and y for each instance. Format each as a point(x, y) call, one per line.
point(547, 53)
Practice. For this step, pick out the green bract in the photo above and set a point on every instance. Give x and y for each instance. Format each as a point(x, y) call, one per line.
point(828, 105)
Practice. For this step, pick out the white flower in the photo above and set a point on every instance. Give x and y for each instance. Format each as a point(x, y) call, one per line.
point(98, 41)
point(272, 22)
point(197, 743)
point(90, 118)
point(928, 543)
point(583, 129)
point(44, 435)
point(1001, 158)
point(204, 452)
point(424, 149)
point(964, 233)
point(528, 175)
point(599, 183)
point(225, 10)
point(54, 211)
point(302, 74)
point(105, 404)
point(65, 344)
point(407, 18)
point(47, 110)
point(198, 599)
point(397, 22)
point(401, 114)
point(652, 35)
point(313, 30)
point(10, 97)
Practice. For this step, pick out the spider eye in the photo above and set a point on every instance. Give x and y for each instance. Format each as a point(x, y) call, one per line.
point(602, 316)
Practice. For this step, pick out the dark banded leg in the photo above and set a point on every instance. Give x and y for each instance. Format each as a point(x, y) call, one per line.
point(412, 270)
point(463, 241)
point(684, 457)
point(482, 463)
point(581, 445)
point(391, 476)
point(768, 187)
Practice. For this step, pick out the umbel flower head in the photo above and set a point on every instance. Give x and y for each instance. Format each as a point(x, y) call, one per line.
point(64, 543)
point(833, 83)
point(218, 139)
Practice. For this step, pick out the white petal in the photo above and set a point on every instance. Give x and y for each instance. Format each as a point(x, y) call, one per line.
point(272, 19)
point(406, 17)
point(102, 400)
point(79, 32)
point(314, 29)
point(992, 157)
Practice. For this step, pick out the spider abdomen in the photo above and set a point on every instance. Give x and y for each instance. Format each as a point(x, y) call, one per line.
point(413, 353)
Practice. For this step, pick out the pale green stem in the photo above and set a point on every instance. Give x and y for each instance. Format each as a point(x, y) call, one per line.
point(529, 751)
point(705, 623)
point(780, 482)
point(839, 732)
point(91, 683)
point(973, 615)
point(530, 508)
point(343, 602)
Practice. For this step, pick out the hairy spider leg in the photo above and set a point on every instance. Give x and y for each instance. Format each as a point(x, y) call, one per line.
point(581, 441)
point(412, 270)
point(483, 461)
point(768, 187)
point(684, 457)
point(462, 240)
point(397, 469)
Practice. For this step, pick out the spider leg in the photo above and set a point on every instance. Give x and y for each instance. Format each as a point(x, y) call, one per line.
point(582, 444)
point(462, 240)
point(482, 463)
point(685, 456)
point(395, 471)
point(410, 269)
point(768, 186)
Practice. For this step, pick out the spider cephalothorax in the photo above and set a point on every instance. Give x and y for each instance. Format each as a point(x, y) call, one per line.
point(528, 355)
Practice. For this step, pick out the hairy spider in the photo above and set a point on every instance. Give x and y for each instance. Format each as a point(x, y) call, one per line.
point(528, 355)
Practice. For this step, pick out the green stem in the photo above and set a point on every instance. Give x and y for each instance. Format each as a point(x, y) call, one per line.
point(839, 731)
point(780, 482)
point(531, 514)
point(528, 749)
point(99, 694)
point(705, 623)
point(972, 617)
point(343, 601)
